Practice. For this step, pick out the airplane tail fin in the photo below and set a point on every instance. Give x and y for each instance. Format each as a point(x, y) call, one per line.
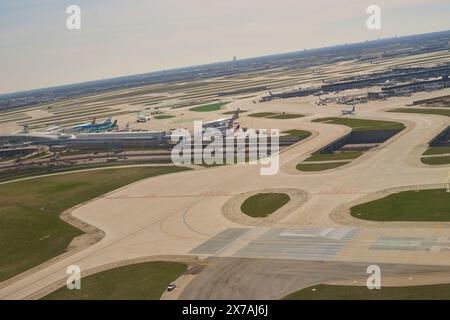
point(234, 118)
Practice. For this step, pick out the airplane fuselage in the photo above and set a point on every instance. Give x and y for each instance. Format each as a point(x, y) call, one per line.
point(96, 127)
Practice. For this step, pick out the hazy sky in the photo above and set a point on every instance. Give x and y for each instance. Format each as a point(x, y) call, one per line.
point(121, 37)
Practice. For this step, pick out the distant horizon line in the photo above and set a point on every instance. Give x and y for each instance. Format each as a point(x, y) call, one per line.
point(2, 95)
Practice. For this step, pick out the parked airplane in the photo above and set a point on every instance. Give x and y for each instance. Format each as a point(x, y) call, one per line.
point(85, 125)
point(96, 127)
point(349, 112)
point(321, 102)
point(225, 123)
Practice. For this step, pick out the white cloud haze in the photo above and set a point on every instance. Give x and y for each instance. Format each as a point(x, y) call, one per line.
point(128, 37)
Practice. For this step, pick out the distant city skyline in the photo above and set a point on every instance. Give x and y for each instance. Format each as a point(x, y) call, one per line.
point(119, 38)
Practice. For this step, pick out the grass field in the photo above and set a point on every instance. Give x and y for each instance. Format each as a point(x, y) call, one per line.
point(263, 204)
point(142, 281)
point(319, 166)
point(298, 133)
point(436, 160)
point(334, 156)
point(276, 115)
point(441, 112)
point(234, 111)
point(32, 231)
point(436, 150)
point(338, 292)
point(286, 116)
point(262, 114)
point(34, 172)
point(363, 124)
point(234, 160)
point(163, 116)
point(423, 205)
point(208, 107)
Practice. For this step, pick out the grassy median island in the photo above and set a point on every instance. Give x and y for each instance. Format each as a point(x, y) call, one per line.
point(436, 156)
point(209, 107)
point(338, 292)
point(276, 115)
point(286, 116)
point(437, 150)
point(31, 230)
point(234, 111)
point(319, 166)
point(163, 116)
point(334, 156)
point(263, 204)
point(262, 114)
point(440, 112)
point(422, 205)
point(298, 133)
point(142, 281)
point(436, 160)
point(363, 124)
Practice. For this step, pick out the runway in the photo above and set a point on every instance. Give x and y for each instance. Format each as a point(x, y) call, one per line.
point(232, 279)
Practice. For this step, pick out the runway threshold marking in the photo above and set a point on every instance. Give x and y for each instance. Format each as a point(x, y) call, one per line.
point(310, 243)
point(412, 243)
point(219, 241)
